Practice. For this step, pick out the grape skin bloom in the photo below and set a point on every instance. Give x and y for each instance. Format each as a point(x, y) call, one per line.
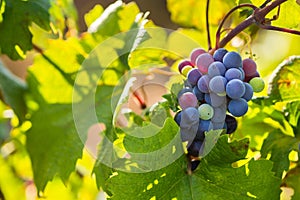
point(232, 60)
point(203, 61)
point(187, 100)
point(216, 69)
point(218, 84)
point(238, 107)
point(203, 83)
point(235, 89)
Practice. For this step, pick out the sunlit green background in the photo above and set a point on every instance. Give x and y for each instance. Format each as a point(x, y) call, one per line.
point(63, 44)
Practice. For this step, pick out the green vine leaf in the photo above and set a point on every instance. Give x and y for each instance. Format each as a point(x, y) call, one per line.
point(53, 142)
point(150, 137)
point(191, 13)
point(211, 138)
point(17, 17)
point(13, 90)
point(279, 146)
point(109, 73)
point(53, 145)
point(214, 178)
point(4, 125)
point(292, 180)
point(93, 14)
point(284, 84)
point(114, 19)
point(289, 15)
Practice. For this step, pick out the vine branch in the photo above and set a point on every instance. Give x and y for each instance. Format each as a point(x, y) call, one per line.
point(258, 17)
point(275, 28)
point(218, 34)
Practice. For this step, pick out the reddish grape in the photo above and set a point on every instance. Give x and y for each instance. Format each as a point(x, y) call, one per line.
point(195, 53)
point(249, 67)
point(188, 99)
point(203, 61)
point(182, 64)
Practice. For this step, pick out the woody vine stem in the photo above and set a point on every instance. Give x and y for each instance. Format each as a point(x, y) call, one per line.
point(258, 17)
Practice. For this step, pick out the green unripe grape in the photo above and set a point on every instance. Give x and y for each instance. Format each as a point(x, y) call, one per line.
point(206, 112)
point(222, 94)
point(257, 84)
point(185, 70)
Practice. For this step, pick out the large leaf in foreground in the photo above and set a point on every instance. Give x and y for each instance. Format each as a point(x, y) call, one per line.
point(215, 178)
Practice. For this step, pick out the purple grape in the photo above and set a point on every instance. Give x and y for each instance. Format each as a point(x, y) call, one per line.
point(177, 118)
point(203, 61)
point(249, 67)
point(198, 93)
point(248, 92)
point(203, 83)
point(235, 89)
point(195, 53)
point(207, 98)
point(182, 64)
point(216, 69)
point(200, 132)
point(219, 54)
point(193, 76)
point(189, 124)
point(216, 100)
point(238, 107)
point(233, 73)
point(232, 60)
point(230, 124)
point(183, 90)
point(218, 84)
point(219, 114)
point(218, 125)
point(187, 100)
point(243, 73)
point(189, 116)
point(205, 125)
point(194, 164)
point(195, 147)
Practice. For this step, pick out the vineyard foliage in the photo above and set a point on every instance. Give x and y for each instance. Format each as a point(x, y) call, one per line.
point(78, 84)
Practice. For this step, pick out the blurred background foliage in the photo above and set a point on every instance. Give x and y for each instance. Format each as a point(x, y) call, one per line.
point(67, 37)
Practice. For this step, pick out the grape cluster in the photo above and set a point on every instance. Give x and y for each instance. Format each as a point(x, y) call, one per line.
point(217, 89)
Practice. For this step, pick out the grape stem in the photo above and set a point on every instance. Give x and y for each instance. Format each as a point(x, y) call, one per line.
point(207, 25)
point(265, 3)
point(275, 28)
point(258, 17)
